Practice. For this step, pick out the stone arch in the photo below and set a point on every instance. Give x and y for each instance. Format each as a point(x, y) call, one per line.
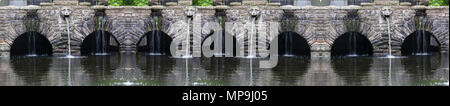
point(21, 45)
point(301, 48)
point(440, 32)
point(87, 47)
point(351, 41)
point(162, 44)
point(411, 45)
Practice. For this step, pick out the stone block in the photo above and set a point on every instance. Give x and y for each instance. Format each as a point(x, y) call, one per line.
point(235, 3)
point(185, 3)
point(171, 3)
point(405, 3)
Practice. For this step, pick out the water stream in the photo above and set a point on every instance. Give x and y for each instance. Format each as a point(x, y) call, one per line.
point(69, 55)
point(389, 35)
point(252, 33)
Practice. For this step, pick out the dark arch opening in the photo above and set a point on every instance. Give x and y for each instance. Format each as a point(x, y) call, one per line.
point(420, 43)
point(31, 43)
point(292, 44)
point(155, 43)
point(99, 43)
point(353, 44)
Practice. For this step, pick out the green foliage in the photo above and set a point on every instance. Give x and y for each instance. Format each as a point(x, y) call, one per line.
point(438, 2)
point(128, 2)
point(202, 2)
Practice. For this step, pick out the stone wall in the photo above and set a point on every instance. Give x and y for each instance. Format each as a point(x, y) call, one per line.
point(128, 25)
point(438, 18)
point(265, 27)
point(54, 27)
point(320, 26)
point(375, 27)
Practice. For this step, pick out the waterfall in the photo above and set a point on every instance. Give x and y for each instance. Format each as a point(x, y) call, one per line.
point(421, 38)
point(104, 45)
point(101, 46)
point(252, 33)
point(188, 36)
point(153, 41)
point(389, 35)
point(32, 44)
point(68, 37)
point(352, 40)
point(418, 36)
point(286, 52)
point(424, 39)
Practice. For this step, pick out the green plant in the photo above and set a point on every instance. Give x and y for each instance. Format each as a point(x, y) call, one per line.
point(438, 2)
point(128, 2)
point(202, 2)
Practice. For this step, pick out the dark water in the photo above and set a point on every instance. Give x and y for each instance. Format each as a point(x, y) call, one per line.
point(140, 70)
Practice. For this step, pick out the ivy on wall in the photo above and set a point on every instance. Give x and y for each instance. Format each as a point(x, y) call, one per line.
point(438, 2)
point(128, 2)
point(202, 2)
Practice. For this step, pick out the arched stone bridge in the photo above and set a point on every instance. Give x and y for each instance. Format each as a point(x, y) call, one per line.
point(320, 26)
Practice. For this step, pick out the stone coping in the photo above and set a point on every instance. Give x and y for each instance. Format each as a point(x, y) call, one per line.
point(286, 7)
point(290, 7)
point(29, 7)
point(121, 7)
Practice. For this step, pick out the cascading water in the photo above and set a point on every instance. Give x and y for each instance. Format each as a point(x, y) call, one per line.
point(352, 40)
point(288, 44)
point(188, 39)
point(252, 33)
point(154, 39)
point(101, 38)
point(421, 38)
point(389, 35)
point(69, 55)
point(32, 44)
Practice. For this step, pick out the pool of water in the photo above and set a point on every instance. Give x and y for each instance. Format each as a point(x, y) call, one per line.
point(142, 70)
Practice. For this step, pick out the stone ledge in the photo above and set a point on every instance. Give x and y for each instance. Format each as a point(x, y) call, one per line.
point(437, 7)
point(47, 4)
point(29, 7)
point(121, 7)
point(419, 7)
point(367, 4)
point(66, 3)
point(158, 7)
point(289, 7)
point(235, 3)
point(205, 7)
point(85, 4)
point(405, 4)
point(171, 4)
point(252, 3)
point(185, 3)
point(221, 7)
point(274, 4)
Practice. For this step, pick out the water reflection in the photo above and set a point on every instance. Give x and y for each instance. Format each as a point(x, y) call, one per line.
point(144, 70)
point(32, 71)
point(354, 71)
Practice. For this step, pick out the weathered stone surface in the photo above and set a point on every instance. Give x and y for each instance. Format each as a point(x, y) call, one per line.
point(320, 26)
point(128, 25)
